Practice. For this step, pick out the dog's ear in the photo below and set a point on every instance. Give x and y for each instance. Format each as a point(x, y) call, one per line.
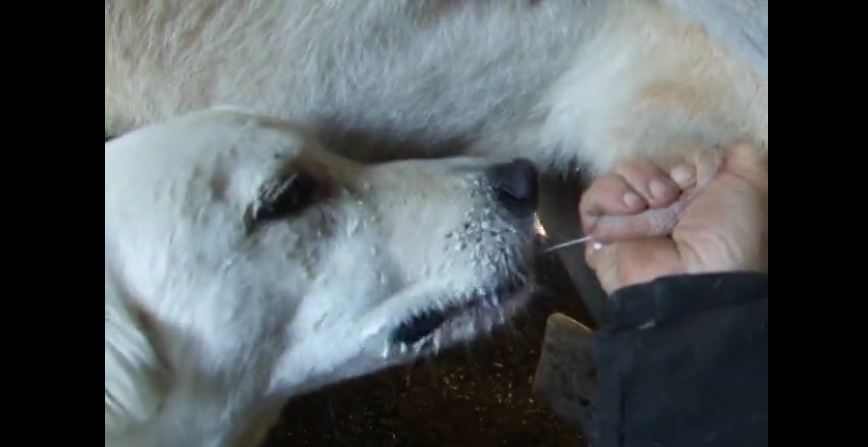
point(134, 375)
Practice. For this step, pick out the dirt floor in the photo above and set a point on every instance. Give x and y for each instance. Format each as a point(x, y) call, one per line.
point(477, 395)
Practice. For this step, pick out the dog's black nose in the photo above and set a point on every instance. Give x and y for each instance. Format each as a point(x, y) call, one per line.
point(515, 184)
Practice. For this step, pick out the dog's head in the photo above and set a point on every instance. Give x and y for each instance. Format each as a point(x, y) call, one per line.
point(240, 252)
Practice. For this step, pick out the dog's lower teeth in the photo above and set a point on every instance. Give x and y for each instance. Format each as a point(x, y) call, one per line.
point(403, 348)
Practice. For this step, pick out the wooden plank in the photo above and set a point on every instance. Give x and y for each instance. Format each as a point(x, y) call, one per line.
point(565, 378)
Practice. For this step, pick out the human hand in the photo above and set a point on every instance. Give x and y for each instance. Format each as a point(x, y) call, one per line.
point(650, 221)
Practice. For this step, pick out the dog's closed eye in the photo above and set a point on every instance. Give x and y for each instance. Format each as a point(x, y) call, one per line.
point(282, 198)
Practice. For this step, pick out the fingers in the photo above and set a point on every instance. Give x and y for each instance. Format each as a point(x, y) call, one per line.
point(622, 204)
point(658, 220)
point(651, 182)
point(611, 194)
point(634, 262)
point(649, 223)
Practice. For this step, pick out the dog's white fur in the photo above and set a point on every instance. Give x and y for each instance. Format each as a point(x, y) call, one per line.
point(558, 81)
point(214, 318)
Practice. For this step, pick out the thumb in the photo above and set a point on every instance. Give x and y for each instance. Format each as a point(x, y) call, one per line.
point(749, 163)
point(636, 261)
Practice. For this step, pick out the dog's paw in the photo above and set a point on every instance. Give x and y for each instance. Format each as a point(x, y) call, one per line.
point(644, 198)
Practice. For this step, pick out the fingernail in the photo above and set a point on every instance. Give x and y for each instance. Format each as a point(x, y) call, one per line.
point(631, 199)
point(658, 189)
point(682, 175)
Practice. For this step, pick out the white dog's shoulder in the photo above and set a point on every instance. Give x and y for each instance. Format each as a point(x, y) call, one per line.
point(742, 26)
point(134, 386)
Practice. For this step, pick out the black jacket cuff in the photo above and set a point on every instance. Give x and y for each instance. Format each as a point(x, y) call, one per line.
point(685, 363)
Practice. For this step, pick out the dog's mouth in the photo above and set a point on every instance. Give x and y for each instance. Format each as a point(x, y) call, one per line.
point(482, 309)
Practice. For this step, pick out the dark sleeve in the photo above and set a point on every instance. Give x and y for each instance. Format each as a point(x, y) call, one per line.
point(685, 364)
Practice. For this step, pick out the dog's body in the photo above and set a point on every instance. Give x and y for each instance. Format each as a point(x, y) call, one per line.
point(556, 81)
point(244, 265)
point(212, 320)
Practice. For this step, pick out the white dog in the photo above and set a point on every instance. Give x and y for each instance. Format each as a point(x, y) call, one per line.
point(598, 82)
point(563, 83)
point(245, 265)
